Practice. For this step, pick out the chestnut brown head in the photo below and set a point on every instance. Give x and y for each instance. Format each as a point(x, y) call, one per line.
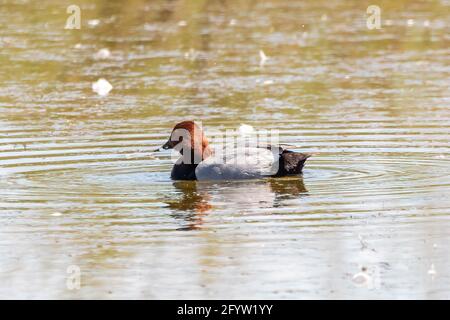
point(188, 135)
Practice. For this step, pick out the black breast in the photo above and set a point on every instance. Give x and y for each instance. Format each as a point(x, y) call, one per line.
point(181, 171)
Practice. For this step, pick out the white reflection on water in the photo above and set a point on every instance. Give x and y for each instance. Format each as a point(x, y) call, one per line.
point(79, 184)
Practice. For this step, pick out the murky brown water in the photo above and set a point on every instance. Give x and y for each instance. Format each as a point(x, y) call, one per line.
point(79, 185)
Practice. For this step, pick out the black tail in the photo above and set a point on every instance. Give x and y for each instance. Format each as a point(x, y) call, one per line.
point(291, 163)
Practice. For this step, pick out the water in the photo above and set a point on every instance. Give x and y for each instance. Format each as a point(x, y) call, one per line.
point(80, 186)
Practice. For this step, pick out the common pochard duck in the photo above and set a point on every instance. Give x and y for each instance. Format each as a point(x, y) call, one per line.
point(198, 161)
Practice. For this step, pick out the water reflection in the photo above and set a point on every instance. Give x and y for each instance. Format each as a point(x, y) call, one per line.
point(76, 177)
point(287, 188)
point(195, 199)
point(191, 206)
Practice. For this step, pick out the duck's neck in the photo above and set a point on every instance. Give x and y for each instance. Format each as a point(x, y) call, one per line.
point(207, 152)
point(197, 155)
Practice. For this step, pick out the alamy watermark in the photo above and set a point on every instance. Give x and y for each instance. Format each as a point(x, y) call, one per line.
point(74, 20)
point(73, 281)
point(374, 19)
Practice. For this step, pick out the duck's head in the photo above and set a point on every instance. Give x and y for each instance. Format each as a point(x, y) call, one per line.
point(189, 136)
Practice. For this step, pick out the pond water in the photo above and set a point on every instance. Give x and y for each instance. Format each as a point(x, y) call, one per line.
point(80, 187)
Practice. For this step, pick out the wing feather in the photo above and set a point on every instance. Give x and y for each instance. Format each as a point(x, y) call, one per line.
point(249, 163)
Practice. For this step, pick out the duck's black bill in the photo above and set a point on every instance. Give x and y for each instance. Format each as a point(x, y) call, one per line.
point(167, 145)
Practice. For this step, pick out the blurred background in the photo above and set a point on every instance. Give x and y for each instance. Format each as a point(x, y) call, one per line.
point(79, 185)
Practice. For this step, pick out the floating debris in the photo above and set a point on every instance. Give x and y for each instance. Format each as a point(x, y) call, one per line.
point(363, 279)
point(102, 54)
point(268, 82)
point(102, 87)
point(182, 23)
point(410, 22)
point(369, 278)
point(93, 22)
point(426, 23)
point(432, 271)
point(232, 22)
point(56, 214)
point(262, 58)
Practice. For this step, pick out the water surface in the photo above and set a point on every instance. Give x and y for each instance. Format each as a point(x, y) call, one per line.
point(79, 185)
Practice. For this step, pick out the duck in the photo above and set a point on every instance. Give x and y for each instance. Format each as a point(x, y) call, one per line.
point(199, 161)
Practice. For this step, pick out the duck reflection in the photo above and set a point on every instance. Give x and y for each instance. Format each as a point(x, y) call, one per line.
point(287, 189)
point(191, 206)
point(196, 198)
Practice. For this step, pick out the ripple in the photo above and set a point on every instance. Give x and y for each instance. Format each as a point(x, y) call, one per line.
point(80, 184)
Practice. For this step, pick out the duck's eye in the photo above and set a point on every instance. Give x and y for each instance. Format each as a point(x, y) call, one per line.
point(176, 140)
point(178, 136)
